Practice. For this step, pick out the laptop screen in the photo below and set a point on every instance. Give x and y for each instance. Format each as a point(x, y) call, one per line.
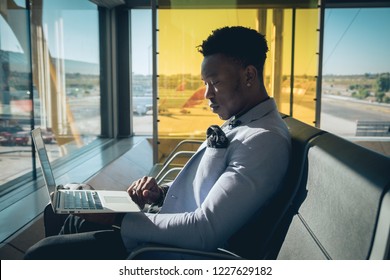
point(43, 158)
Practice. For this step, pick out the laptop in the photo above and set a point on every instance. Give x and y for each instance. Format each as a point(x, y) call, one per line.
point(68, 199)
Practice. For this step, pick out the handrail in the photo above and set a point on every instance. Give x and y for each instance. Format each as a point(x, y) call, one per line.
point(176, 155)
point(173, 169)
point(181, 143)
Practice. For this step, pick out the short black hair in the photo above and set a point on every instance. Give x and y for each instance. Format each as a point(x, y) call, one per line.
point(245, 45)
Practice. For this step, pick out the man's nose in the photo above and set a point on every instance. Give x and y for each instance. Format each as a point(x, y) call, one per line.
point(209, 92)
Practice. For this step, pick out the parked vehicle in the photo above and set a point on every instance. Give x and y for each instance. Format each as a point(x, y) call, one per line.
point(48, 136)
point(5, 138)
point(14, 135)
point(21, 138)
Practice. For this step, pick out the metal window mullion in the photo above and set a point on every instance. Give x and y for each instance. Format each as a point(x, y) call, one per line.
point(154, 81)
point(31, 87)
point(320, 30)
point(292, 63)
point(122, 60)
point(107, 72)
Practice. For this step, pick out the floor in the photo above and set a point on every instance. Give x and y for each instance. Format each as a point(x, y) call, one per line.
point(16, 246)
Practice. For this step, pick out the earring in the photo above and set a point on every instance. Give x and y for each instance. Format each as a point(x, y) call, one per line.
point(248, 84)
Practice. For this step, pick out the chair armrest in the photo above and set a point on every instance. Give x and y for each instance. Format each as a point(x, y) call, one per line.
point(141, 251)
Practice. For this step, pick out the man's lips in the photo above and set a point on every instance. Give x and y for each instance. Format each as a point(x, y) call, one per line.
point(213, 106)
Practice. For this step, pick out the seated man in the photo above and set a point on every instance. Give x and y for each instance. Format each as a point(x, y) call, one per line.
point(236, 170)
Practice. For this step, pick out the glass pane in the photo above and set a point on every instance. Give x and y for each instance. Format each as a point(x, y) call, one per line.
point(66, 73)
point(356, 67)
point(15, 95)
point(141, 76)
point(302, 52)
point(306, 65)
point(278, 71)
point(183, 111)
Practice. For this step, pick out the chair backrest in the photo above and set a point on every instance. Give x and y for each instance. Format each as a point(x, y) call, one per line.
point(252, 239)
point(343, 209)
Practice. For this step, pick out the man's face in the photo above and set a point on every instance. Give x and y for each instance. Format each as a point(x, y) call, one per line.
point(225, 85)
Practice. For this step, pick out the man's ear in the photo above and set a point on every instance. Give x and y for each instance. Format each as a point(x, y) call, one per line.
point(250, 75)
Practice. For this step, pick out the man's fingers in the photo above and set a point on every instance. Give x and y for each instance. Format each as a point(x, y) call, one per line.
point(151, 196)
point(143, 191)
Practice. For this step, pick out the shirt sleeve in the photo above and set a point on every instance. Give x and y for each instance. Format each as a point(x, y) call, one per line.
point(254, 172)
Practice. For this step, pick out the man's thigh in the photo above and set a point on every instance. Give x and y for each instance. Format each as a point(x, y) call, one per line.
point(105, 244)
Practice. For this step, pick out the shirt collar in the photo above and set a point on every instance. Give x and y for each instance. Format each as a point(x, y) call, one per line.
point(253, 114)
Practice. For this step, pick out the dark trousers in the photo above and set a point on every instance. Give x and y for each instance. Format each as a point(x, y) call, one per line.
point(77, 240)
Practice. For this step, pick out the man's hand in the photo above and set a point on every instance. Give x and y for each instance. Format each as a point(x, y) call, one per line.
point(145, 191)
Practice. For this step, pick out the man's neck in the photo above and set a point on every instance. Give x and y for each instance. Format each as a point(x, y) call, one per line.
point(260, 99)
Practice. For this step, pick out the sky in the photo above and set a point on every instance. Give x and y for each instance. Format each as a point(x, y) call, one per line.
point(355, 41)
point(141, 35)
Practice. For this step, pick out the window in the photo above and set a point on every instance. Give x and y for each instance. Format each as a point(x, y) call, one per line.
point(16, 94)
point(58, 90)
point(66, 71)
point(356, 76)
point(290, 70)
point(141, 76)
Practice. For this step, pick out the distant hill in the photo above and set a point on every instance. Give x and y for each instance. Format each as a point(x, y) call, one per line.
point(18, 62)
point(73, 66)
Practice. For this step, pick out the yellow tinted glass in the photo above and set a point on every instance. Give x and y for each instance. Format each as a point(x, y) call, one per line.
point(183, 111)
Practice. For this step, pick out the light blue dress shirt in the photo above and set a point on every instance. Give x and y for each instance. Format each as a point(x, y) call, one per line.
point(218, 190)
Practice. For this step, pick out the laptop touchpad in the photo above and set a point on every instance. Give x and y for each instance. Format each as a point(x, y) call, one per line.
point(115, 199)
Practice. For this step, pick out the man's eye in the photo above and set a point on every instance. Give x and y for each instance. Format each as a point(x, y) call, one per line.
point(211, 83)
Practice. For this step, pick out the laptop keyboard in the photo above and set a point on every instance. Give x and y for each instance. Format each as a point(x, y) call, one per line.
point(81, 200)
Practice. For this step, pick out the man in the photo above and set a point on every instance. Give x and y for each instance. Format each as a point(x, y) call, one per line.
point(234, 173)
